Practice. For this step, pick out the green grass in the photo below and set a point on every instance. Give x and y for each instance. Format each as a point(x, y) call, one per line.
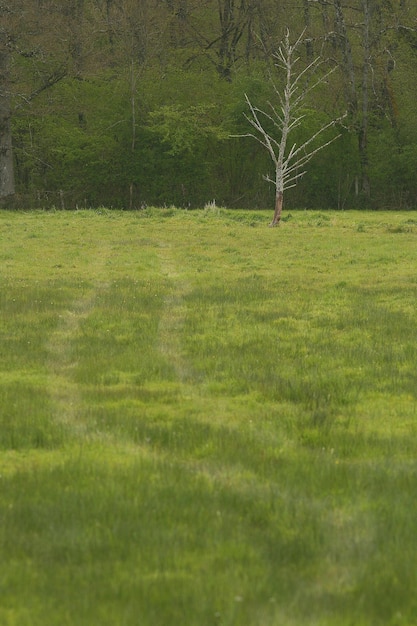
point(204, 421)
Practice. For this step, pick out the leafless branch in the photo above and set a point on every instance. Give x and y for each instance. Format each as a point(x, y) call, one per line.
point(285, 120)
point(274, 125)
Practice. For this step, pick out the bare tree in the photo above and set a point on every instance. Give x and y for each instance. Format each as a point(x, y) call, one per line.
point(274, 126)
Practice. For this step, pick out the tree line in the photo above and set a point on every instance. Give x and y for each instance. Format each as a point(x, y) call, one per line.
point(129, 103)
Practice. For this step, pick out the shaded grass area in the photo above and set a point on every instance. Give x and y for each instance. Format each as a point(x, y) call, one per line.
point(205, 421)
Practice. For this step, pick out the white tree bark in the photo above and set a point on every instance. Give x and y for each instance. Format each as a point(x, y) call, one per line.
point(289, 162)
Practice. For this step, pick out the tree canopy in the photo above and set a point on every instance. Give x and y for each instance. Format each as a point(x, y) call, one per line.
point(132, 103)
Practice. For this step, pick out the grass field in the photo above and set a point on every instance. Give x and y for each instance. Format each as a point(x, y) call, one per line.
point(207, 422)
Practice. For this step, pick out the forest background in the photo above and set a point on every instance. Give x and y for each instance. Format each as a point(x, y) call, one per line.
point(128, 103)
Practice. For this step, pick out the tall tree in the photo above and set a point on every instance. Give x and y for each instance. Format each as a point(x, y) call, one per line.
point(31, 60)
point(227, 35)
point(361, 35)
point(75, 13)
point(7, 187)
point(232, 20)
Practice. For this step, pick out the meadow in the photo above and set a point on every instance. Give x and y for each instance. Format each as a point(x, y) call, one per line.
point(208, 422)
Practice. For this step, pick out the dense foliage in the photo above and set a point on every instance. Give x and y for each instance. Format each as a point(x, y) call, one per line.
point(129, 103)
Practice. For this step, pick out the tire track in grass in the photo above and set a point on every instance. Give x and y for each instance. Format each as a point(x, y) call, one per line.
point(173, 316)
point(64, 392)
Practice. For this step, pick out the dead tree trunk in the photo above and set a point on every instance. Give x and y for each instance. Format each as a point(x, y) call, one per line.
point(279, 202)
point(288, 160)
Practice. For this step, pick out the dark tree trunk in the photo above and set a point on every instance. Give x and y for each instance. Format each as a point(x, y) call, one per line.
point(6, 153)
point(363, 130)
point(233, 21)
point(307, 23)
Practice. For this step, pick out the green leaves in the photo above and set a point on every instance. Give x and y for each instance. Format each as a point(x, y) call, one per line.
point(185, 129)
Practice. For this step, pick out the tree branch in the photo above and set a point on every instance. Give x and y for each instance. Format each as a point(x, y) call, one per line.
point(289, 164)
